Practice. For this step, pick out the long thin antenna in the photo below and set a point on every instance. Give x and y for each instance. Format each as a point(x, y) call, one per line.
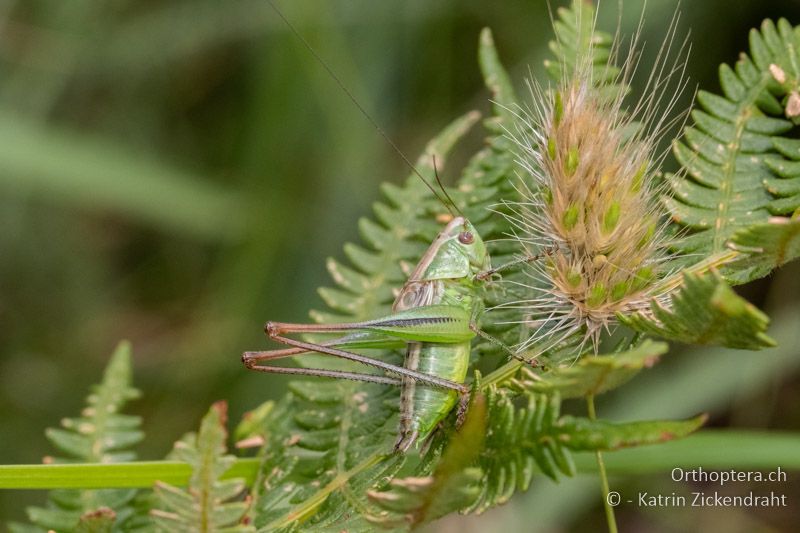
point(446, 194)
point(352, 98)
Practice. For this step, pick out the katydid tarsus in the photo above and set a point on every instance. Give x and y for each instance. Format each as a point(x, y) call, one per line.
point(434, 317)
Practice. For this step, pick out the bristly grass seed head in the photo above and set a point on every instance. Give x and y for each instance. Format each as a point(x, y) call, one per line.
point(590, 198)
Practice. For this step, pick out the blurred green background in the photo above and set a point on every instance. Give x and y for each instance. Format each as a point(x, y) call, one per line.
point(175, 173)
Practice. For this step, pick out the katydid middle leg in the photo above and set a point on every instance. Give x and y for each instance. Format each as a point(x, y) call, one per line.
point(530, 258)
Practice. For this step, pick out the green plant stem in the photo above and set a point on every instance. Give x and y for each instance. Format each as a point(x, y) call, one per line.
point(138, 474)
point(601, 467)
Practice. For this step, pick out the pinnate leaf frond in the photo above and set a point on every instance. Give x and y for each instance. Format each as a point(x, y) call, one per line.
point(208, 504)
point(100, 434)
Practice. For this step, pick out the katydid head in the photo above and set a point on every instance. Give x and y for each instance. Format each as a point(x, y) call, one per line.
point(457, 252)
point(471, 244)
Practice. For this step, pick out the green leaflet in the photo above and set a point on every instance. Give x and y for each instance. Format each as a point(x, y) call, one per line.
point(209, 504)
point(582, 434)
point(576, 39)
point(733, 155)
point(100, 434)
point(252, 429)
point(769, 245)
point(495, 77)
point(705, 310)
point(593, 375)
point(786, 188)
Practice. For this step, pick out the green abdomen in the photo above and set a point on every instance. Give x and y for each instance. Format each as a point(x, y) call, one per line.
point(424, 406)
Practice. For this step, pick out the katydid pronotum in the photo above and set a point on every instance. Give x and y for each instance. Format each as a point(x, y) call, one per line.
point(434, 317)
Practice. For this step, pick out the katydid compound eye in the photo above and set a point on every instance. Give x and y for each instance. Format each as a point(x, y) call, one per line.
point(465, 237)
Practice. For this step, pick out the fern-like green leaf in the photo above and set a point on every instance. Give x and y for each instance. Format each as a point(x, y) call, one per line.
point(738, 171)
point(101, 434)
point(208, 504)
point(582, 434)
point(326, 437)
point(705, 310)
point(592, 375)
point(786, 188)
point(768, 245)
point(577, 39)
point(518, 440)
point(734, 155)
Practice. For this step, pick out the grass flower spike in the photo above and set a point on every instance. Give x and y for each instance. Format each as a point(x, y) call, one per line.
point(589, 173)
